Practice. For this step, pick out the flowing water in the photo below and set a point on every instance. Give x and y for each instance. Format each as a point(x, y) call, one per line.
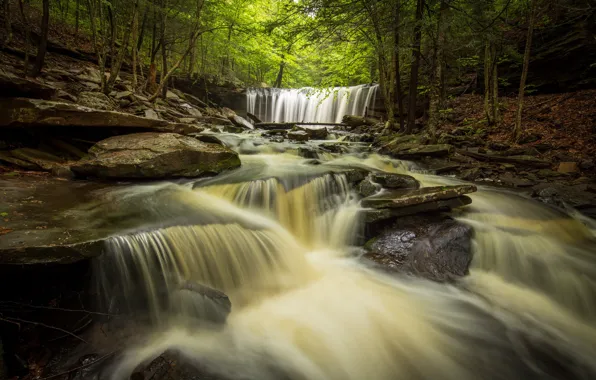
point(310, 104)
point(280, 238)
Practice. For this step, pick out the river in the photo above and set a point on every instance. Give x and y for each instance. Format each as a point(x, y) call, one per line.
point(280, 237)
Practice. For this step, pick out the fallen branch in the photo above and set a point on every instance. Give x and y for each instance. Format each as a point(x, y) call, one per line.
point(56, 308)
point(80, 367)
point(292, 125)
point(13, 319)
point(252, 117)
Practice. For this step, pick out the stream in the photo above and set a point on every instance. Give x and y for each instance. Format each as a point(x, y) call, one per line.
point(280, 237)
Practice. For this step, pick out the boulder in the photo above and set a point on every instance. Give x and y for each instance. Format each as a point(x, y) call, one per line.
point(404, 198)
point(395, 181)
point(232, 129)
point(367, 188)
point(21, 112)
point(298, 135)
point(241, 122)
point(357, 121)
point(433, 247)
point(97, 100)
point(155, 156)
point(13, 85)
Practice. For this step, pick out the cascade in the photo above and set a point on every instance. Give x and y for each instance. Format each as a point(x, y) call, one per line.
point(277, 235)
point(309, 104)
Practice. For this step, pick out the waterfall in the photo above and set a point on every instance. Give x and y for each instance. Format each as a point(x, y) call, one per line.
point(309, 104)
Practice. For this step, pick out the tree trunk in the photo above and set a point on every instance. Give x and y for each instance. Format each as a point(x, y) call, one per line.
point(8, 22)
point(415, 66)
point(43, 40)
point(163, 83)
point(517, 131)
point(397, 69)
point(435, 86)
point(117, 62)
point(27, 37)
point(139, 42)
point(77, 13)
point(135, 32)
point(491, 85)
point(280, 73)
point(152, 76)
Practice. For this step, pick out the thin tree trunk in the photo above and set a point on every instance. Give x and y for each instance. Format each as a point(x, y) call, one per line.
point(43, 40)
point(397, 68)
point(117, 62)
point(135, 31)
point(280, 73)
point(8, 22)
point(491, 85)
point(27, 37)
point(415, 66)
point(77, 12)
point(139, 42)
point(163, 84)
point(435, 87)
point(517, 131)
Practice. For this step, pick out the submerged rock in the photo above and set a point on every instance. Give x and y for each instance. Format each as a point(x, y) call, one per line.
point(433, 247)
point(153, 155)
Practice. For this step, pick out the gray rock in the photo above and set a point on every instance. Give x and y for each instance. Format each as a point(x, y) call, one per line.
point(405, 198)
point(395, 181)
point(21, 112)
point(298, 136)
point(154, 155)
point(97, 100)
point(432, 247)
point(366, 188)
point(124, 103)
point(373, 216)
point(44, 160)
point(241, 122)
point(13, 85)
point(123, 95)
point(151, 114)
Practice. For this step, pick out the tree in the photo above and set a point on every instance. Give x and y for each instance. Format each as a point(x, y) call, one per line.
point(415, 67)
point(517, 131)
point(43, 40)
point(437, 72)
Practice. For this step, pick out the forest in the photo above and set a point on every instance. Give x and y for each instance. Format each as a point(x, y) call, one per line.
point(297, 189)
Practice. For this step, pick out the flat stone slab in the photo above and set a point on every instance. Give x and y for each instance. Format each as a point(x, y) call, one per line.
point(22, 112)
point(413, 152)
point(37, 224)
point(374, 215)
point(406, 198)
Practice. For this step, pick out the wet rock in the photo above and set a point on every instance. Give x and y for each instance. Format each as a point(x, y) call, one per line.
point(513, 181)
point(373, 216)
point(241, 122)
point(298, 135)
point(314, 133)
point(44, 160)
point(433, 247)
point(530, 138)
point(498, 146)
point(216, 120)
point(587, 165)
point(579, 197)
point(153, 155)
point(275, 132)
point(209, 139)
point(14, 86)
point(419, 151)
point(97, 100)
point(395, 181)
point(357, 121)
point(307, 152)
point(354, 176)
point(568, 167)
point(334, 147)
point(367, 188)
point(232, 129)
point(21, 112)
point(7, 157)
point(405, 198)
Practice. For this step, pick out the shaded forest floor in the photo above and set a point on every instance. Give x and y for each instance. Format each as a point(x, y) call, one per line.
point(563, 125)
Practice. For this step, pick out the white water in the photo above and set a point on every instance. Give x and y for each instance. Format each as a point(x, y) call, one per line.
point(309, 104)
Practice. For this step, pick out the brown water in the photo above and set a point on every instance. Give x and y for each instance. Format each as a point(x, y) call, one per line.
point(278, 236)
